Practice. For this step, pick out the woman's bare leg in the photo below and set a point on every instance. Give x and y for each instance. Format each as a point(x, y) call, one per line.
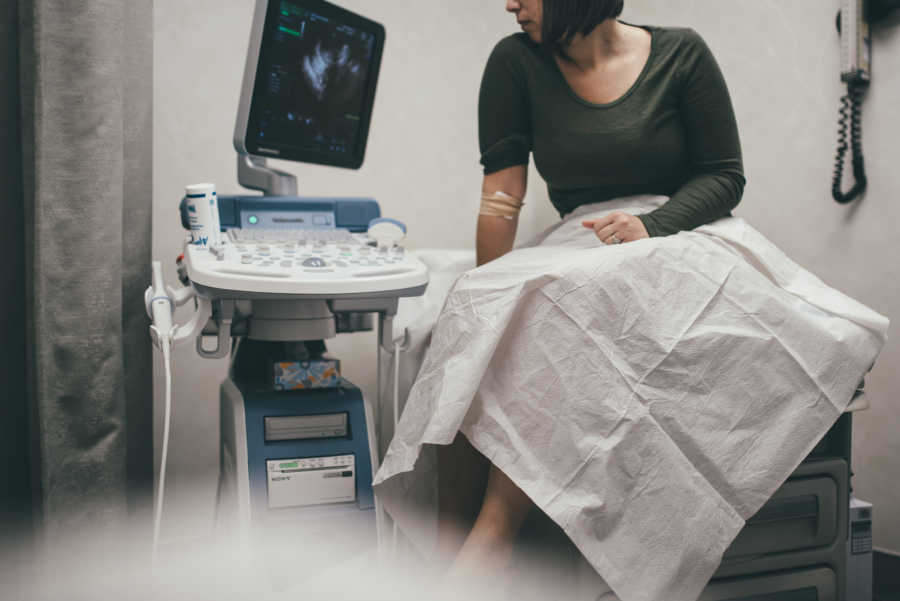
point(488, 548)
point(462, 478)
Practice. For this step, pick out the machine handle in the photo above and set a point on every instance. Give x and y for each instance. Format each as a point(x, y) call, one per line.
point(223, 340)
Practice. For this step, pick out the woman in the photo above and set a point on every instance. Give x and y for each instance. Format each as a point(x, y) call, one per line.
point(609, 110)
point(648, 391)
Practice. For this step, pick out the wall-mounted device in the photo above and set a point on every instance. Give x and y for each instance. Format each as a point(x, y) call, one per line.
point(853, 23)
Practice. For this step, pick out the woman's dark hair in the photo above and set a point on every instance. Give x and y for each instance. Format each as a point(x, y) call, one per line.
point(564, 19)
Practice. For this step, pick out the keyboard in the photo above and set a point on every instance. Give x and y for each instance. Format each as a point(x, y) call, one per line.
point(296, 236)
point(303, 262)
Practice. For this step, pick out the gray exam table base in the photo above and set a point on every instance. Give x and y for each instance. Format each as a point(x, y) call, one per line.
point(795, 547)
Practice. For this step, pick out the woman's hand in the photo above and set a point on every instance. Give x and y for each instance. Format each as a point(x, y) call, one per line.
point(617, 227)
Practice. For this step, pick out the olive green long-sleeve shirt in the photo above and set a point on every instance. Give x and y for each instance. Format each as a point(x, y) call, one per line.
point(672, 133)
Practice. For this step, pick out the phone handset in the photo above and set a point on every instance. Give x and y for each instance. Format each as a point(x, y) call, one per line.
point(856, 62)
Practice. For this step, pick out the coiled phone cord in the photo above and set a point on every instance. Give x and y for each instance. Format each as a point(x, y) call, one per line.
point(851, 113)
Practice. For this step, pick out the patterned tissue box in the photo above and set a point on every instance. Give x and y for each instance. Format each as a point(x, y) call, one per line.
point(301, 375)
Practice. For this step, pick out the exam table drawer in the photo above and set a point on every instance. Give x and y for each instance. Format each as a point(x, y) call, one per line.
point(802, 514)
point(815, 584)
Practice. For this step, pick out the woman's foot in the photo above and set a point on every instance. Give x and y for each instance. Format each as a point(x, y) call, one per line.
point(485, 556)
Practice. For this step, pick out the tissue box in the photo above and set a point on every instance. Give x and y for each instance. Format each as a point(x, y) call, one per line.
point(300, 375)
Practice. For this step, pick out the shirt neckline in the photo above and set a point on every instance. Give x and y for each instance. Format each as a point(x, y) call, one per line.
point(629, 91)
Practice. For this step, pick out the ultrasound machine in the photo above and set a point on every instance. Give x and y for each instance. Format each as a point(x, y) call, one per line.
point(279, 274)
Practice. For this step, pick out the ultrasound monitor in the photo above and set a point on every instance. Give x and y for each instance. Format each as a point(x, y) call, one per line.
point(309, 88)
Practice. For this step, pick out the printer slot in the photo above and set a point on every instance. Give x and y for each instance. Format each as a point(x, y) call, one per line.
point(802, 514)
point(814, 584)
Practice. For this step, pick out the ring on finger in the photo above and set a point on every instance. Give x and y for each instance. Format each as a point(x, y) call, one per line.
point(615, 239)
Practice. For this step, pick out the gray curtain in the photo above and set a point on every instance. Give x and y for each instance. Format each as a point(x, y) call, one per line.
point(86, 146)
point(15, 443)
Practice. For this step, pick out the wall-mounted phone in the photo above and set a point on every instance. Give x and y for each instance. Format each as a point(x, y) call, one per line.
point(854, 20)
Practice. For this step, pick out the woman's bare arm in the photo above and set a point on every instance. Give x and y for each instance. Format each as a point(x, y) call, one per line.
point(495, 235)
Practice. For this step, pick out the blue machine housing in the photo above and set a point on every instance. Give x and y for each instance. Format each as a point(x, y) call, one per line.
point(261, 404)
point(353, 214)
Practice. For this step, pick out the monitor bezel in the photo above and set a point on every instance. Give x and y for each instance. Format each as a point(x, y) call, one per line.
point(264, 19)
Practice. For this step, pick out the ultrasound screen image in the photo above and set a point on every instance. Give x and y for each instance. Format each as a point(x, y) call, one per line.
point(316, 72)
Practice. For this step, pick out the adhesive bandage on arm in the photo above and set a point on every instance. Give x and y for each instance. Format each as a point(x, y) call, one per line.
point(500, 204)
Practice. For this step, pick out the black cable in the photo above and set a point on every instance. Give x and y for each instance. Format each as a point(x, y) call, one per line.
point(851, 108)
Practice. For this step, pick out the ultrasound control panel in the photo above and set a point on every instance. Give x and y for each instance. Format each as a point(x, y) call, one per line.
point(318, 249)
point(311, 252)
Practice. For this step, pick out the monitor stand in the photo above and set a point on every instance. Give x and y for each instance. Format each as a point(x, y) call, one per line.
point(254, 173)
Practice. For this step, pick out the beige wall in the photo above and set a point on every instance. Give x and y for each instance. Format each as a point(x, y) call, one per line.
point(780, 59)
